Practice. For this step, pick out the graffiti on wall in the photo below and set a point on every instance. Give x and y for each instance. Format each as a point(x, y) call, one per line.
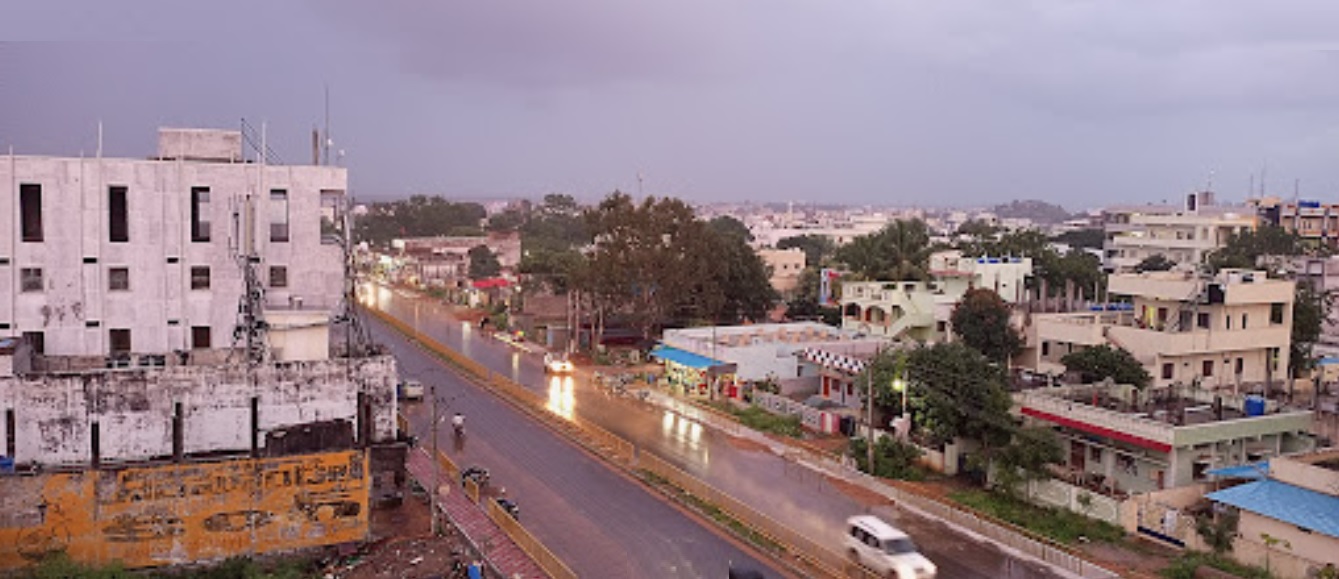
point(158, 515)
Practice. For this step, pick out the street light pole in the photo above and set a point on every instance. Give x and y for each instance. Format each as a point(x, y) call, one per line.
point(869, 420)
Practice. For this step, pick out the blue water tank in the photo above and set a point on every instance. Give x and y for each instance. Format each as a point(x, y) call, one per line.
point(6, 464)
point(1255, 405)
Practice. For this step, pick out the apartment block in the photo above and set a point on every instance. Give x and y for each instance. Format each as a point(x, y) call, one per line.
point(1184, 234)
point(1229, 331)
point(108, 256)
point(786, 266)
point(920, 310)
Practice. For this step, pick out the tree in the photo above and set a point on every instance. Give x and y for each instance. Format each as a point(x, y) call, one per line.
point(728, 226)
point(509, 220)
point(900, 252)
point(1244, 250)
point(1097, 363)
point(1155, 262)
point(1082, 238)
point(1311, 307)
point(483, 263)
point(978, 228)
point(739, 283)
point(955, 391)
point(418, 216)
point(981, 321)
point(1026, 457)
point(550, 240)
point(816, 248)
point(1218, 530)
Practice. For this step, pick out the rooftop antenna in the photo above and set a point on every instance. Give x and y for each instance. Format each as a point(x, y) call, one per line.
point(328, 141)
point(639, 184)
point(1264, 174)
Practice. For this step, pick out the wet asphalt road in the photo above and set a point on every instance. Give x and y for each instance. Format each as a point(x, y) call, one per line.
point(790, 494)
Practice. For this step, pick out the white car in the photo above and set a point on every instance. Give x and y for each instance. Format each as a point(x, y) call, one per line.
point(885, 549)
point(556, 365)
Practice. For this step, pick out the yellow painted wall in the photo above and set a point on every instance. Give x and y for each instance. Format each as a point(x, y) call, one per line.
point(159, 515)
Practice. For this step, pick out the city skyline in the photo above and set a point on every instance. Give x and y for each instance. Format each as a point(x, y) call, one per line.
point(883, 104)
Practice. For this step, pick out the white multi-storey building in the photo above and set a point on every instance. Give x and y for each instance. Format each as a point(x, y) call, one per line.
point(1182, 234)
point(103, 256)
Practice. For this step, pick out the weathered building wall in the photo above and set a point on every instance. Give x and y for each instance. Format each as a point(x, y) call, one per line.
point(135, 408)
point(161, 515)
point(163, 304)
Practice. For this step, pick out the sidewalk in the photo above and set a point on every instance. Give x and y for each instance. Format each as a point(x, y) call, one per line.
point(504, 555)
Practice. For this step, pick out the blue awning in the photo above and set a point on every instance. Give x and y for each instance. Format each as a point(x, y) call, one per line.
point(1294, 505)
point(683, 357)
point(1256, 471)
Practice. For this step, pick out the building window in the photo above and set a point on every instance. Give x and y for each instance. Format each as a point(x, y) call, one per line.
point(118, 225)
point(1227, 319)
point(118, 279)
point(37, 340)
point(1241, 365)
point(278, 276)
point(30, 212)
point(199, 214)
point(279, 215)
point(1167, 371)
point(30, 279)
point(200, 337)
point(1206, 369)
point(1202, 320)
point(1045, 349)
point(200, 277)
point(120, 341)
point(1276, 313)
point(1243, 321)
point(332, 216)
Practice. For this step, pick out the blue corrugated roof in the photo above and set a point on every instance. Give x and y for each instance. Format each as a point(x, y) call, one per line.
point(1256, 470)
point(1291, 504)
point(683, 357)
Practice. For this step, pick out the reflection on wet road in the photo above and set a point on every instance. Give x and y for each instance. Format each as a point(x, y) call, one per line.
point(787, 492)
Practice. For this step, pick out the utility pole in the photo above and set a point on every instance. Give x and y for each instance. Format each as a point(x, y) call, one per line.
point(436, 464)
point(869, 419)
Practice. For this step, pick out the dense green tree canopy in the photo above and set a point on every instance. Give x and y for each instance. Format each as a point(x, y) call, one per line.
point(418, 216)
point(898, 252)
point(483, 263)
point(1311, 308)
point(981, 321)
point(551, 240)
point(728, 226)
point(956, 391)
point(1155, 262)
point(1097, 363)
point(1244, 250)
point(1082, 238)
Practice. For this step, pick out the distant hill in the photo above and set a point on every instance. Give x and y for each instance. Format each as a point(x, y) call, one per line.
point(1037, 211)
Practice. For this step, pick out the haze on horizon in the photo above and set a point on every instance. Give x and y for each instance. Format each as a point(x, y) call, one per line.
point(879, 102)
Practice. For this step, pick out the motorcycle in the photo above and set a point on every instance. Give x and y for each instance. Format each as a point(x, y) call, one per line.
point(478, 474)
point(510, 506)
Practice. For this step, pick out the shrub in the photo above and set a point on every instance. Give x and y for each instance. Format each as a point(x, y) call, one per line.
point(892, 458)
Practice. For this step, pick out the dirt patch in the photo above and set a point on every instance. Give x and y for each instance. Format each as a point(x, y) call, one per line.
point(1134, 558)
point(859, 494)
point(748, 445)
point(405, 547)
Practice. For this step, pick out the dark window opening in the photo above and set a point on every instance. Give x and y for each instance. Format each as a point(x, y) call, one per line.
point(1202, 320)
point(1167, 371)
point(278, 215)
point(30, 210)
point(199, 214)
point(118, 224)
point(37, 340)
point(200, 337)
point(1276, 313)
point(278, 276)
point(1241, 365)
point(118, 279)
point(332, 216)
point(30, 279)
point(1206, 369)
point(200, 277)
point(120, 341)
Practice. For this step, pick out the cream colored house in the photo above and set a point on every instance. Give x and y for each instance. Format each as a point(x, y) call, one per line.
point(786, 266)
point(1184, 234)
point(920, 310)
point(1296, 504)
point(1228, 331)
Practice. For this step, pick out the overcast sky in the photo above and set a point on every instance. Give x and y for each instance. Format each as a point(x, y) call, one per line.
point(934, 102)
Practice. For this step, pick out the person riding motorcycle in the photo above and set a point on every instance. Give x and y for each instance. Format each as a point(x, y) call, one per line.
point(458, 423)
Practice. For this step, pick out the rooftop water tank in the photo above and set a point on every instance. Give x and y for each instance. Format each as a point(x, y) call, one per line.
point(1255, 405)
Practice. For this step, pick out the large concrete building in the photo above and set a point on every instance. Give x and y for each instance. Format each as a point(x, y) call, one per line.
point(127, 256)
point(168, 386)
point(1231, 330)
point(1184, 234)
point(786, 266)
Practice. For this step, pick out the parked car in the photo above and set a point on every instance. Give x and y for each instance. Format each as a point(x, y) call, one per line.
point(885, 549)
point(410, 390)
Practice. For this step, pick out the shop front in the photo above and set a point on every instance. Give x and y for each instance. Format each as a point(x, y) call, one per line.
point(691, 374)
